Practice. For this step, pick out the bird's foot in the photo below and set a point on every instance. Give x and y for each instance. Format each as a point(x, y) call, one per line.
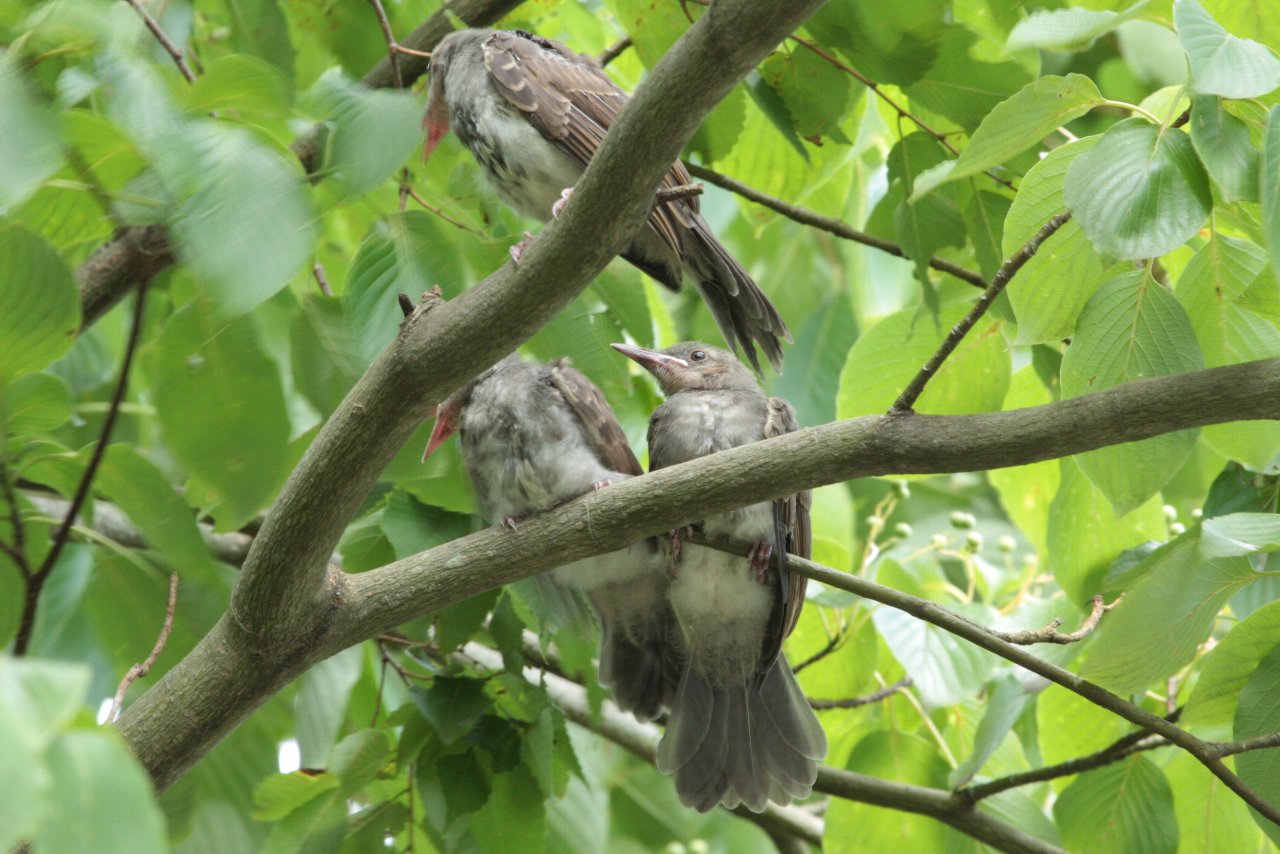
point(758, 559)
point(562, 201)
point(511, 521)
point(518, 250)
point(600, 484)
point(677, 547)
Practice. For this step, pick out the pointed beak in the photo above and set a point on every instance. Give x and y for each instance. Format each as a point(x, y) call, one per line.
point(651, 360)
point(446, 426)
point(436, 122)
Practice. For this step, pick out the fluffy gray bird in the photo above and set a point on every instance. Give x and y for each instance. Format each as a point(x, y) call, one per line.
point(533, 112)
point(535, 436)
point(741, 730)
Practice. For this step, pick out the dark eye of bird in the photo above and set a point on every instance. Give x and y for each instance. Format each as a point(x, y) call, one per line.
point(697, 355)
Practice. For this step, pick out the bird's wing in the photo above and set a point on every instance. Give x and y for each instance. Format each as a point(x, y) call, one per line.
point(791, 520)
point(569, 99)
point(599, 424)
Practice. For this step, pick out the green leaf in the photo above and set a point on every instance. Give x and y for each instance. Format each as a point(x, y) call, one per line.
point(1027, 492)
point(316, 827)
point(1004, 705)
point(1229, 665)
point(1222, 64)
point(962, 88)
point(815, 92)
point(247, 227)
point(1141, 191)
point(1259, 714)
point(1048, 314)
point(1240, 534)
point(35, 403)
point(1211, 288)
point(373, 131)
point(811, 378)
point(1117, 809)
point(101, 800)
point(324, 693)
point(1270, 188)
point(39, 304)
point(359, 758)
point(974, 379)
point(261, 29)
point(164, 519)
point(902, 758)
point(1085, 536)
point(1070, 726)
point(280, 794)
point(1067, 29)
point(1211, 818)
point(452, 705)
point(466, 786)
point(29, 149)
point(240, 82)
point(1224, 146)
point(515, 817)
point(1025, 119)
point(1130, 329)
point(1182, 594)
point(984, 219)
point(220, 404)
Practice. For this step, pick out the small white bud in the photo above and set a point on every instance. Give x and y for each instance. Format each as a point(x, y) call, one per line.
point(1007, 544)
point(902, 529)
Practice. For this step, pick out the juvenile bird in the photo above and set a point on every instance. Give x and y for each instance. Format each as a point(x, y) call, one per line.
point(533, 437)
point(533, 113)
point(741, 730)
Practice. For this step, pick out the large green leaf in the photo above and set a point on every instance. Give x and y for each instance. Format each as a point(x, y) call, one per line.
point(1067, 29)
point(974, 379)
point(1223, 143)
point(1259, 714)
point(1240, 534)
point(1269, 189)
point(33, 404)
point(321, 704)
point(1053, 286)
point(39, 304)
point(1119, 809)
point(962, 88)
point(515, 816)
point(811, 377)
point(1211, 818)
point(1130, 329)
point(815, 92)
point(101, 800)
point(1005, 704)
point(902, 758)
point(1182, 594)
point(29, 150)
point(1027, 492)
point(221, 406)
point(1025, 119)
point(373, 131)
point(1212, 287)
point(1222, 64)
point(1085, 536)
point(1141, 191)
point(240, 82)
point(1229, 666)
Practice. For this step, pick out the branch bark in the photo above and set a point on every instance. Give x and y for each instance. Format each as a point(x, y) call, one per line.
point(289, 608)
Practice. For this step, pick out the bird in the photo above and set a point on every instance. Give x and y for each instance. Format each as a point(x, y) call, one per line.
point(533, 113)
point(534, 436)
point(740, 729)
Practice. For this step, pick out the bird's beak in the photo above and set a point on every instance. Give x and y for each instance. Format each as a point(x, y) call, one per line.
point(446, 426)
point(436, 121)
point(651, 360)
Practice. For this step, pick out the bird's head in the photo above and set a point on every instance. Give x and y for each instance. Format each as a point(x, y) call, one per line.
point(449, 412)
point(691, 366)
point(457, 45)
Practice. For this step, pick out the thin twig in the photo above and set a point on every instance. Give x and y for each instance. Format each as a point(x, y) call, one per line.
point(1050, 633)
point(413, 194)
point(903, 405)
point(671, 194)
point(392, 52)
point(138, 671)
point(832, 644)
point(614, 50)
point(1244, 745)
point(828, 224)
point(18, 551)
point(321, 279)
point(99, 193)
point(154, 26)
point(865, 700)
point(35, 584)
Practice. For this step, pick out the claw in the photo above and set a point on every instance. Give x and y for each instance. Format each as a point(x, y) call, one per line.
point(600, 484)
point(518, 250)
point(758, 559)
point(562, 201)
point(510, 522)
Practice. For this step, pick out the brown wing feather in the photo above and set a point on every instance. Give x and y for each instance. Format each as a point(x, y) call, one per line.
point(600, 425)
point(792, 514)
point(569, 99)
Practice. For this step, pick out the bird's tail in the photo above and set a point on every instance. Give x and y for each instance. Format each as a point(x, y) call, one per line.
point(744, 314)
point(638, 671)
point(746, 743)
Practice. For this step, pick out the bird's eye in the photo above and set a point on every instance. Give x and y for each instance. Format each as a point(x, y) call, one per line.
point(697, 355)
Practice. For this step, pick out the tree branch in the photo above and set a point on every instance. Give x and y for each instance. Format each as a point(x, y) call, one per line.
point(1050, 633)
point(138, 671)
point(828, 224)
point(907, 400)
point(286, 590)
point(866, 700)
point(172, 49)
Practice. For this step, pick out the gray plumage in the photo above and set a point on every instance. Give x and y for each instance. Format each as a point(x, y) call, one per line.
point(533, 113)
point(740, 730)
point(533, 437)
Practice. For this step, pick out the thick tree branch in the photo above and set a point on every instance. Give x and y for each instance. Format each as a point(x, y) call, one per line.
point(289, 609)
point(831, 225)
